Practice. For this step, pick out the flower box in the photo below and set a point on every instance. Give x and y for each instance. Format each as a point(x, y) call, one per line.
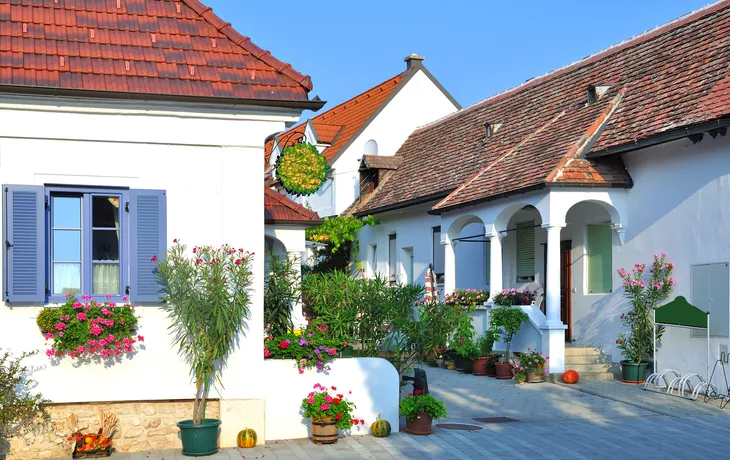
point(98, 453)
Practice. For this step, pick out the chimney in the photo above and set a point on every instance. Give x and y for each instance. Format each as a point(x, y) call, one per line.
point(413, 60)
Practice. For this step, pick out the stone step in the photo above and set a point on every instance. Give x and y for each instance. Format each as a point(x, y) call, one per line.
point(586, 359)
point(583, 368)
point(581, 351)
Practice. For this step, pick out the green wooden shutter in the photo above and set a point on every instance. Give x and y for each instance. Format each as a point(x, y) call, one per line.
point(487, 262)
point(525, 250)
point(600, 266)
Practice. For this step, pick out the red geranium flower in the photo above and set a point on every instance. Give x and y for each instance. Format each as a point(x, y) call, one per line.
point(338, 416)
point(284, 344)
point(334, 388)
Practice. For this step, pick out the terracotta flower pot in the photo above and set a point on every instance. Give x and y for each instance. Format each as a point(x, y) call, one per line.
point(420, 426)
point(536, 375)
point(504, 370)
point(479, 366)
point(324, 431)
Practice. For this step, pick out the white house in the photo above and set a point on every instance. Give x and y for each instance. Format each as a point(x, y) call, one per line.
point(124, 125)
point(557, 183)
point(375, 122)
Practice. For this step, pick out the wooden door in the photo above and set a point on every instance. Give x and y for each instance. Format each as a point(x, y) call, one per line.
point(566, 287)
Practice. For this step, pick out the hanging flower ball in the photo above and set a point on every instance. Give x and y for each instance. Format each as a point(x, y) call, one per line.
point(301, 169)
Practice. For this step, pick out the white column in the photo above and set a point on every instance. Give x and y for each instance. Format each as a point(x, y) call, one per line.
point(552, 285)
point(449, 264)
point(297, 315)
point(495, 261)
point(553, 338)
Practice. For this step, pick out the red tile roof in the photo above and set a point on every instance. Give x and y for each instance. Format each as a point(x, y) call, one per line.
point(160, 47)
point(338, 125)
point(280, 209)
point(674, 76)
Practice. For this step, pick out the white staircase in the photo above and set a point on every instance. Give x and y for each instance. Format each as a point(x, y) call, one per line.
point(589, 362)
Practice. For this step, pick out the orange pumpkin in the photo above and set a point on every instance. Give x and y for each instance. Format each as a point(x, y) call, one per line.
point(570, 376)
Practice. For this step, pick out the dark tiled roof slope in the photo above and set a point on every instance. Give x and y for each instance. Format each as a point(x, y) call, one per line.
point(671, 77)
point(280, 209)
point(161, 47)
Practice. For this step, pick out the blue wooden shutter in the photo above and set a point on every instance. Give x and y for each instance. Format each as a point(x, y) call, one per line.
point(148, 238)
point(25, 243)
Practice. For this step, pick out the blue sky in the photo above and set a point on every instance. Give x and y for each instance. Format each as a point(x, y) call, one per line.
point(474, 48)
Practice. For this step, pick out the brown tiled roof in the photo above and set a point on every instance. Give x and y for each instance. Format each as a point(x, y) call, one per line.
point(671, 77)
point(381, 162)
point(280, 209)
point(338, 125)
point(160, 47)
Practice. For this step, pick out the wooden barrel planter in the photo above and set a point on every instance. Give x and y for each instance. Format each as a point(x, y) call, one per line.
point(324, 431)
point(536, 375)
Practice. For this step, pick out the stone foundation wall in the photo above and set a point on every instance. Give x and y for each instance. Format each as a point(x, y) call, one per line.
point(142, 425)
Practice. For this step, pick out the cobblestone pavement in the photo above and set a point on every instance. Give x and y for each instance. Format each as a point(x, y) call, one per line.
point(589, 420)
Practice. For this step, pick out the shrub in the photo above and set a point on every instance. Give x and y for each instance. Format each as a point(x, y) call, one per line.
point(533, 360)
point(417, 403)
point(281, 292)
point(89, 328)
point(486, 343)
point(21, 410)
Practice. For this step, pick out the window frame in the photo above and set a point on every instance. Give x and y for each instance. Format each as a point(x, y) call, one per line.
point(393, 258)
point(87, 194)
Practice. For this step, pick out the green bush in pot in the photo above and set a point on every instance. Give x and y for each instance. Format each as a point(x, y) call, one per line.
point(506, 321)
point(208, 298)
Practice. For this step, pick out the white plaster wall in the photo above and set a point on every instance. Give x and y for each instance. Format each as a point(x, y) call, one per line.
point(679, 205)
point(413, 229)
point(471, 261)
point(374, 384)
point(207, 163)
point(419, 102)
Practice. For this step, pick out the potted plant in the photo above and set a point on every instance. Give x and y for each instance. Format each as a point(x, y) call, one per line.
point(484, 346)
point(420, 410)
point(506, 321)
point(208, 298)
point(466, 351)
point(328, 413)
point(530, 367)
point(21, 410)
point(644, 296)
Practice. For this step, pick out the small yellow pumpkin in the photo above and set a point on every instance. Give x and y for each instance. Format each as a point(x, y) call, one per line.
point(246, 438)
point(380, 428)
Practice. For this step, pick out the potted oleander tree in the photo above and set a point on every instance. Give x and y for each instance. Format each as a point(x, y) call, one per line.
point(208, 298)
point(644, 293)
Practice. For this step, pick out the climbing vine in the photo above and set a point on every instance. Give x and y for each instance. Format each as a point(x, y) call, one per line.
point(301, 169)
point(339, 234)
point(336, 231)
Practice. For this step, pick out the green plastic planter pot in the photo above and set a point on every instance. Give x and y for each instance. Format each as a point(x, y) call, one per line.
point(199, 440)
point(634, 373)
